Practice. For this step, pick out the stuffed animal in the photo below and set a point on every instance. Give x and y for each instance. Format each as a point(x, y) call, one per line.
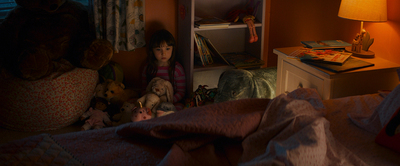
point(100, 90)
point(165, 108)
point(162, 88)
point(96, 116)
point(117, 94)
point(141, 113)
point(125, 114)
point(201, 96)
point(239, 84)
point(37, 34)
point(151, 101)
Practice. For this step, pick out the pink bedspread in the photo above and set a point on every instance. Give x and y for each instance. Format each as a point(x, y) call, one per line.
point(289, 130)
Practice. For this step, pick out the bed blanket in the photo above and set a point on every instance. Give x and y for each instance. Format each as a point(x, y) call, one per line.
point(288, 130)
point(40, 150)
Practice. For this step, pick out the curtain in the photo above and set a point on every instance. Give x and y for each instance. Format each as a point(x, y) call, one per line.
point(121, 22)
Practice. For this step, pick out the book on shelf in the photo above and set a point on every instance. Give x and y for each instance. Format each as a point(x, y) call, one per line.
point(350, 64)
point(325, 44)
point(337, 57)
point(211, 26)
point(203, 51)
point(215, 52)
point(211, 22)
point(242, 60)
point(197, 58)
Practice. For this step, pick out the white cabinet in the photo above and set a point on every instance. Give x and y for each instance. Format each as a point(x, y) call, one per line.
point(232, 39)
point(293, 74)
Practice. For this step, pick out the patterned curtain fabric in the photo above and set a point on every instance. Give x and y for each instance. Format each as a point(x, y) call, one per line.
point(121, 22)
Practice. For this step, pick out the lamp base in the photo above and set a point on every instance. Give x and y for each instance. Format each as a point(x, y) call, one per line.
point(362, 54)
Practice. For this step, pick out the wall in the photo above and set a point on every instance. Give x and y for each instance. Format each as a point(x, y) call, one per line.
point(289, 23)
point(158, 15)
point(387, 34)
point(293, 21)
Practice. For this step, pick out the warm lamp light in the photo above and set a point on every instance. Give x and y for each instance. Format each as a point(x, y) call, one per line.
point(363, 10)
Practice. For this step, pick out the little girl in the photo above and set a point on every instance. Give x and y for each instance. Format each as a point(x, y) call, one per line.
point(161, 62)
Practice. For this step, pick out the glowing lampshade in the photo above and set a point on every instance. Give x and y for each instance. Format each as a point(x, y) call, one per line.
point(363, 10)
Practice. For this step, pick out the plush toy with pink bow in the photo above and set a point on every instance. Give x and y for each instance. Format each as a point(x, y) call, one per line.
point(141, 113)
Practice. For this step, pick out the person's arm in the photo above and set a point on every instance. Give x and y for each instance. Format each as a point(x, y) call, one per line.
point(180, 83)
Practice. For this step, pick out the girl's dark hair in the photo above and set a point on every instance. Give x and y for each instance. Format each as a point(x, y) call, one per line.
point(158, 38)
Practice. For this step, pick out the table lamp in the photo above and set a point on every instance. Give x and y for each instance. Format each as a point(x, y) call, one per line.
point(363, 10)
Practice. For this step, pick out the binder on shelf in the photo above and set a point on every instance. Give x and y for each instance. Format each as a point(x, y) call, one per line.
point(198, 59)
point(203, 50)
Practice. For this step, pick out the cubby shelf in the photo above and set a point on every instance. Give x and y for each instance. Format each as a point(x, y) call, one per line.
point(231, 39)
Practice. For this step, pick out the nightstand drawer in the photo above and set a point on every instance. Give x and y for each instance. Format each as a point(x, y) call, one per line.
point(295, 77)
point(330, 85)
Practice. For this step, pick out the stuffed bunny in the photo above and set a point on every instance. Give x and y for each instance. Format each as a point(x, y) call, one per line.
point(162, 88)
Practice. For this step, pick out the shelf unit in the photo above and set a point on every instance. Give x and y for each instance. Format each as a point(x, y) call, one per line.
point(232, 39)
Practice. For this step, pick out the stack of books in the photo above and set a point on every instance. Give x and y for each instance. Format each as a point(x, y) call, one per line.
point(329, 55)
point(212, 22)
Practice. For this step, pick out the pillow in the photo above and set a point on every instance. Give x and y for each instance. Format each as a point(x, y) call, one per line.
point(389, 136)
point(381, 115)
point(49, 103)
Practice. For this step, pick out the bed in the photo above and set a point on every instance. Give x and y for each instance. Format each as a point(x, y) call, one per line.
point(297, 128)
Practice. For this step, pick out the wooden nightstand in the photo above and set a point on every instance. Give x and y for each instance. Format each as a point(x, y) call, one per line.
point(293, 74)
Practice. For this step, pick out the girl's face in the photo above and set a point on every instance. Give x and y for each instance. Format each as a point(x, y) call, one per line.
point(163, 54)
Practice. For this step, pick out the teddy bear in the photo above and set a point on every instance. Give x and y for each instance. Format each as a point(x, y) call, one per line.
point(162, 88)
point(125, 114)
point(151, 101)
point(117, 94)
point(36, 35)
point(97, 116)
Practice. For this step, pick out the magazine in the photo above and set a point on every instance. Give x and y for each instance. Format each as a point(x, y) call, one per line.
point(338, 56)
point(324, 44)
